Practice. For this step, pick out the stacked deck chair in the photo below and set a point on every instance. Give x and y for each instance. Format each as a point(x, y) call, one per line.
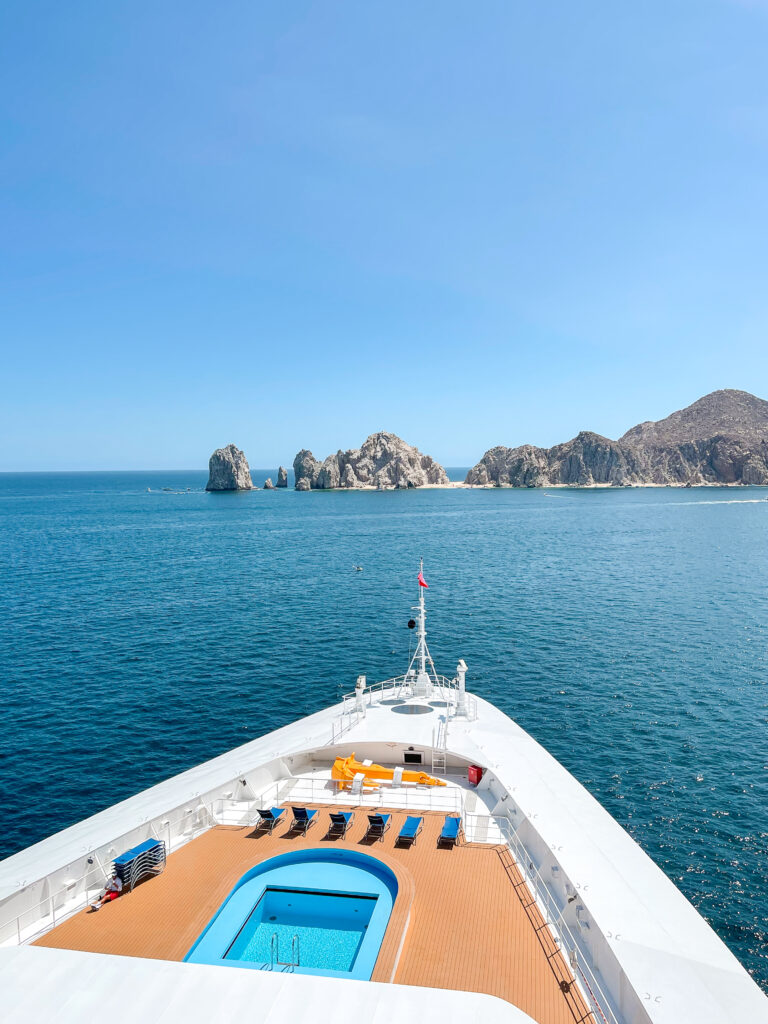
point(302, 819)
point(377, 826)
point(409, 831)
point(340, 822)
point(268, 818)
point(148, 858)
point(450, 832)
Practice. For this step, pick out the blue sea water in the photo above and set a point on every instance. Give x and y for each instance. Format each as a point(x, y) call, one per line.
point(145, 631)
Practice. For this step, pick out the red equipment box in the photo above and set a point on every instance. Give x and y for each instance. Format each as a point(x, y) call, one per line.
point(474, 774)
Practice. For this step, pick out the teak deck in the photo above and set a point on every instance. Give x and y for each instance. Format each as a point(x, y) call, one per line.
point(472, 926)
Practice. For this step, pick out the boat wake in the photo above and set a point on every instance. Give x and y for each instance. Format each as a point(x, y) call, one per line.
point(723, 501)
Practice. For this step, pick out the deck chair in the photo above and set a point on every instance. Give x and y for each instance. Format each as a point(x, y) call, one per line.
point(450, 832)
point(302, 819)
point(407, 834)
point(377, 826)
point(340, 822)
point(268, 818)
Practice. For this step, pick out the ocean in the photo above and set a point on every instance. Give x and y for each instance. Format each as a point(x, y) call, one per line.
point(145, 630)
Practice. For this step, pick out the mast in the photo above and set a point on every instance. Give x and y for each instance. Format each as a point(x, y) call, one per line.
point(422, 626)
point(421, 662)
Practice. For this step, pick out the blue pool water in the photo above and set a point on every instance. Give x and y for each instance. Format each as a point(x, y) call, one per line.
point(326, 911)
point(321, 930)
point(626, 630)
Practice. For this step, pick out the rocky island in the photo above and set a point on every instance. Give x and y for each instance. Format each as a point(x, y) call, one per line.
point(228, 470)
point(720, 439)
point(384, 460)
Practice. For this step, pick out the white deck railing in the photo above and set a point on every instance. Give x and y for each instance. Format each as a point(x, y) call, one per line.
point(353, 704)
point(299, 790)
point(563, 935)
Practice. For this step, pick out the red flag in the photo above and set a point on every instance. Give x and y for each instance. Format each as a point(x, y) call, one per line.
point(422, 581)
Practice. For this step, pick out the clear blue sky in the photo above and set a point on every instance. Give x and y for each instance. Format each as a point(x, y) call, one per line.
point(292, 224)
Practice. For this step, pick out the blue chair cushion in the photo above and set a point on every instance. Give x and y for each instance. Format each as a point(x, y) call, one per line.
point(133, 853)
point(411, 826)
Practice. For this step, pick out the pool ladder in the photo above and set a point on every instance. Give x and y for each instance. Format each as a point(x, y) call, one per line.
point(274, 953)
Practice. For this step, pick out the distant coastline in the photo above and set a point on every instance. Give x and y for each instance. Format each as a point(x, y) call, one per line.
point(259, 475)
point(719, 440)
point(462, 485)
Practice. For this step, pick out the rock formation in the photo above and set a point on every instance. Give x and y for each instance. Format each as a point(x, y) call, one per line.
point(735, 414)
point(268, 485)
point(305, 467)
point(384, 460)
point(720, 439)
point(228, 470)
point(282, 477)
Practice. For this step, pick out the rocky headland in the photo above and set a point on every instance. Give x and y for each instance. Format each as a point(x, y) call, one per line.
point(228, 470)
point(720, 439)
point(383, 461)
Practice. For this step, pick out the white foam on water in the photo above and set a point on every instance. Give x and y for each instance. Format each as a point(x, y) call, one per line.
point(722, 501)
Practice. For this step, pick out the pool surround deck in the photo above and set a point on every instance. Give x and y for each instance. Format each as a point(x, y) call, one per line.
point(463, 917)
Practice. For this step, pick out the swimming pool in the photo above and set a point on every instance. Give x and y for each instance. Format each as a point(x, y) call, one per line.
point(309, 911)
point(310, 929)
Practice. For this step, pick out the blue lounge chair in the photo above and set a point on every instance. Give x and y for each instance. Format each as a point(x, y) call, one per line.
point(450, 833)
point(377, 826)
point(340, 822)
point(268, 818)
point(409, 831)
point(302, 819)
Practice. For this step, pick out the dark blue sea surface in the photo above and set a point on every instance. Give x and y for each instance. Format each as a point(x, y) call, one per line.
point(144, 631)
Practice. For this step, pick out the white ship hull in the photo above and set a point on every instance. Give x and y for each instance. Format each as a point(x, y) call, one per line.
point(639, 950)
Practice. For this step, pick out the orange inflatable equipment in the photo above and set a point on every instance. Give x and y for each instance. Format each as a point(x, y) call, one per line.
point(346, 768)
